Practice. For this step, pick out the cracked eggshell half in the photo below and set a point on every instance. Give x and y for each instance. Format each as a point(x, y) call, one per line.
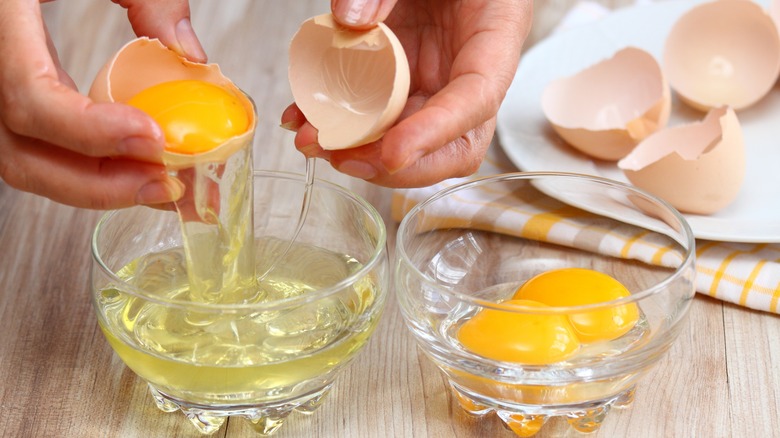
point(722, 53)
point(698, 168)
point(145, 62)
point(606, 109)
point(350, 85)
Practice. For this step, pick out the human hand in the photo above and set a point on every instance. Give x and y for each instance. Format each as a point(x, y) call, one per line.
point(60, 144)
point(462, 57)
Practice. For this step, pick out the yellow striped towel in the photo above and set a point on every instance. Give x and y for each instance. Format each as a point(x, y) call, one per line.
point(747, 274)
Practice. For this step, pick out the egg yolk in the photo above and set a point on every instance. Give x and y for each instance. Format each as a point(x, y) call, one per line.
point(196, 116)
point(579, 286)
point(514, 336)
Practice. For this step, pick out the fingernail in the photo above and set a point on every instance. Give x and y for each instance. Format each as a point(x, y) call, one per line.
point(141, 148)
point(291, 125)
point(160, 192)
point(189, 42)
point(358, 169)
point(357, 12)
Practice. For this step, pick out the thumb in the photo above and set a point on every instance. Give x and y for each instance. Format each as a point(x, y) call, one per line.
point(169, 21)
point(361, 14)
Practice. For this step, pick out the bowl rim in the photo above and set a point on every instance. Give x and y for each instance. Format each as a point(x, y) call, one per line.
point(378, 254)
point(685, 230)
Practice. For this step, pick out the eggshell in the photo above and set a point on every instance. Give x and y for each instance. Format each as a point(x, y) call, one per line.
point(145, 62)
point(606, 109)
point(774, 12)
point(698, 168)
point(350, 85)
point(724, 52)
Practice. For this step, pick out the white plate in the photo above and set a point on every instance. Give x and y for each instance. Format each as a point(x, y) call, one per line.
point(531, 145)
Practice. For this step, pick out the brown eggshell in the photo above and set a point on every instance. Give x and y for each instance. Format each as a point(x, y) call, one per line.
point(143, 63)
point(350, 85)
point(606, 109)
point(698, 168)
point(774, 12)
point(724, 52)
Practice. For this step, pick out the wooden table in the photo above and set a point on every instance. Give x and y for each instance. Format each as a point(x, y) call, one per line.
point(59, 377)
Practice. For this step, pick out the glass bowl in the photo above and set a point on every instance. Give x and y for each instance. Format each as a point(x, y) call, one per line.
point(260, 352)
point(465, 251)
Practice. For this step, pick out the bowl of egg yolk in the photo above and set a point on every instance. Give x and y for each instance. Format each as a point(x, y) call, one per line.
point(544, 294)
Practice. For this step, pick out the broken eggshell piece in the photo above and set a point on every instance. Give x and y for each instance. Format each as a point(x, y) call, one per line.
point(606, 109)
point(698, 168)
point(350, 85)
point(723, 53)
point(143, 63)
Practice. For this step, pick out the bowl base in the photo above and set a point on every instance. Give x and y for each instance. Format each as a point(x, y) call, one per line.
point(265, 418)
point(526, 422)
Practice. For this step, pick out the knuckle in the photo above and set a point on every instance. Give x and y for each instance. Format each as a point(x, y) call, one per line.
point(100, 201)
point(13, 112)
point(107, 196)
point(470, 166)
point(495, 96)
point(13, 176)
point(10, 170)
point(469, 154)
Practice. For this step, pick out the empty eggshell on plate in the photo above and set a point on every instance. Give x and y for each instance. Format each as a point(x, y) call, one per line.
point(143, 63)
point(351, 85)
point(606, 109)
point(698, 168)
point(724, 52)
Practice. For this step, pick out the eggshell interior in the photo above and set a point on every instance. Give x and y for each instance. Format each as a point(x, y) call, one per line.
point(350, 85)
point(143, 63)
point(606, 109)
point(698, 168)
point(723, 52)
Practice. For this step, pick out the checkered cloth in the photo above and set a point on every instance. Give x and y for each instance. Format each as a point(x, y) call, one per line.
point(747, 274)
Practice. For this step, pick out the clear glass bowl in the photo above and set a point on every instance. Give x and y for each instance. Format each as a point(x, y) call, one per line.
point(468, 248)
point(259, 352)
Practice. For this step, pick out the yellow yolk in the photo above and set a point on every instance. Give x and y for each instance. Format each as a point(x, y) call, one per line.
point(576, 287)
point(196, 116)
point(515, 336)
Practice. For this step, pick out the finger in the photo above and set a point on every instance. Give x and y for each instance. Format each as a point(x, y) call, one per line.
point(292, 118)
point(306, 143)
point(167, 20)
point(361, 14)
point(305, 135)
point(167, 206)
point(34, 103)
point(85, 182)
point(458, 158)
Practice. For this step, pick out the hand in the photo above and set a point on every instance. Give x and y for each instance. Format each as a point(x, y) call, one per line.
point(462, 56)
point(56, 142)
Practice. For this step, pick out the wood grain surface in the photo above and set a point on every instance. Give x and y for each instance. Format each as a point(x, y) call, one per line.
point(60, 378)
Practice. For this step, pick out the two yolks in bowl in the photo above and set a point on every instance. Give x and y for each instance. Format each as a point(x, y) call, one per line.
point(509, 335)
